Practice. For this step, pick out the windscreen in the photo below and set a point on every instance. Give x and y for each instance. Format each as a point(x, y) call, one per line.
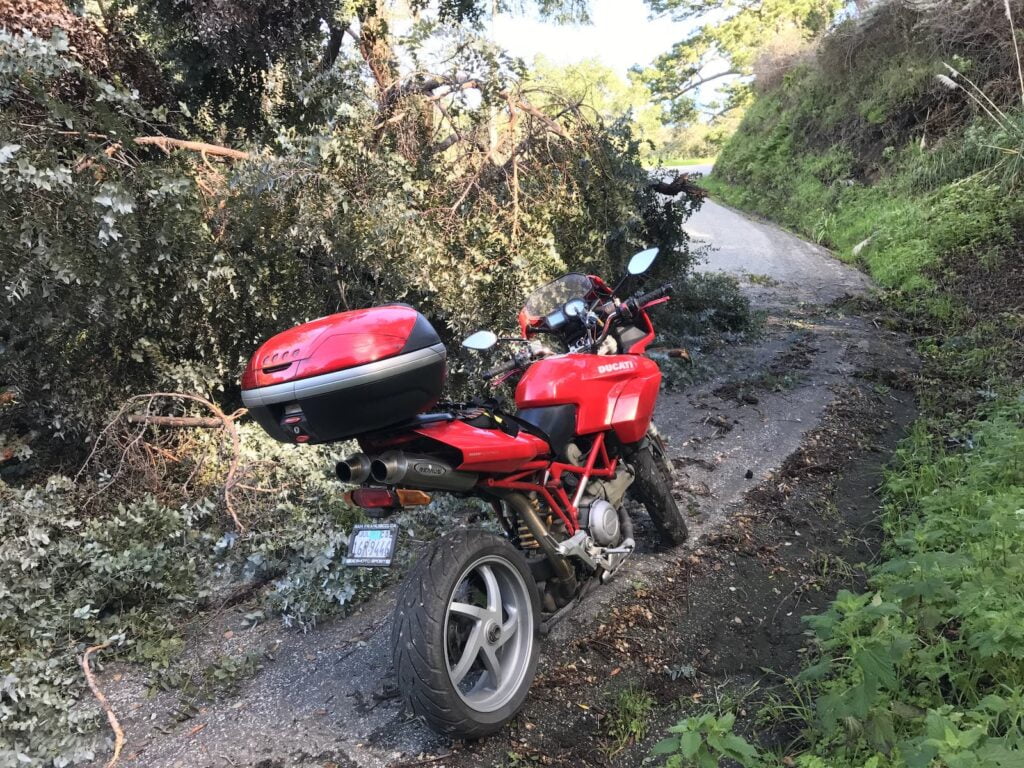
point(552, 296)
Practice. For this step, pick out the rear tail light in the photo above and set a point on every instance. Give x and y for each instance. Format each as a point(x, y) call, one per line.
point(384, 498)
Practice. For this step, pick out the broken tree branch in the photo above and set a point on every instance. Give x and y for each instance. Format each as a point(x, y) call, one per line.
point(224, 420)
point(167, 144)
point(680, 183)
point(115, 726)
point(527, 107)
point(176, 421)
point(694, 84)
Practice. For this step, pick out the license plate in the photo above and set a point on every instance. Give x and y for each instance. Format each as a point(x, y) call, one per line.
point(372, 544)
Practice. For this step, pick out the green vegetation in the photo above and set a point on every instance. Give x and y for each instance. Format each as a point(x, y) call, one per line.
point(731, 39)
point(127, 559)
point(130, 263)
point(672, 160)
point(627, 721)
point(866, 151)
point(605, 95)
point(704, 741)
point(929, 664)
point(896, 172)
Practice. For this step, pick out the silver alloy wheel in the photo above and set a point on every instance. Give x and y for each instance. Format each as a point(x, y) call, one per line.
point(488, 633)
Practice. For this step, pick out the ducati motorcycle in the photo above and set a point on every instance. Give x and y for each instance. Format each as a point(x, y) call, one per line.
point(554, 471)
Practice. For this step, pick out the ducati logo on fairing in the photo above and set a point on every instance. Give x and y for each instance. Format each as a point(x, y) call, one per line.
point(625, 365)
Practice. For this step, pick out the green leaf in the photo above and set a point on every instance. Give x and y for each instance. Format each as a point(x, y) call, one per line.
point(689, 743)
point(877, 666)
point(666, 746)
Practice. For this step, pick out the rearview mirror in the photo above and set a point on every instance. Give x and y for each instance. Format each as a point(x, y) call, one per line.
point(642, 261)
point(480, 340)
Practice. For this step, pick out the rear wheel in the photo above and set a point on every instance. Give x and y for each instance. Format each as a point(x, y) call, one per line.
point(652, 487)
point(465, 634)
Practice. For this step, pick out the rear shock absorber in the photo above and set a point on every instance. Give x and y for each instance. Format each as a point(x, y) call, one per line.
point(526, 539)
point(563, 585)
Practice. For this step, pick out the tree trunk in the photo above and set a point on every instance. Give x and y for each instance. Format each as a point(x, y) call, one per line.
point(375, 47)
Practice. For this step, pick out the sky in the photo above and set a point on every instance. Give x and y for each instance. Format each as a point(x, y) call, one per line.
point(621, 34)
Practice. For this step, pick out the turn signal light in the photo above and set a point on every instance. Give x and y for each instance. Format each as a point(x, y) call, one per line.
point(412, 498)
point(384, 498)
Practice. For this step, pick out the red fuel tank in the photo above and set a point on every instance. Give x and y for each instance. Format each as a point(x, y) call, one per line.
point(615, 392)
point(345, 374)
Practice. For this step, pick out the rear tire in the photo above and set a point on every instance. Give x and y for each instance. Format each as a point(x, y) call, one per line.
point(652, 487)
point(464, 636)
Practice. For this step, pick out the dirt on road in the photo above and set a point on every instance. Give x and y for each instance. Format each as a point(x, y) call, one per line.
point(777, 452)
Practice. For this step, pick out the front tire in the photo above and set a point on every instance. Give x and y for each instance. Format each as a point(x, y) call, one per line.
point(652, 487)
point(464, 636)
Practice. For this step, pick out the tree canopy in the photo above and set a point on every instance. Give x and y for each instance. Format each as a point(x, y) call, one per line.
point(598, 89)
point(723, 48)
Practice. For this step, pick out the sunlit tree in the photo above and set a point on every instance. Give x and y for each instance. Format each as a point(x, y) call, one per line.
point(724, 47)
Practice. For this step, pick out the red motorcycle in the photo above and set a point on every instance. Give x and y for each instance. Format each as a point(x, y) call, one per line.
point(554, 473)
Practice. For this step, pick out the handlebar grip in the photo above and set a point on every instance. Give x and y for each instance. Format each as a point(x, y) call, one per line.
point(657, 293)
point(497, 370)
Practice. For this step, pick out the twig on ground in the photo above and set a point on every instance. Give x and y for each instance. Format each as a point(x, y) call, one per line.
point(115, 726)
point(176, 421)
point(424, 761)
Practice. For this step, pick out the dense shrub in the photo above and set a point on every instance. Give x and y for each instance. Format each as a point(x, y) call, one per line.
point(134, 569)
point(142, 271)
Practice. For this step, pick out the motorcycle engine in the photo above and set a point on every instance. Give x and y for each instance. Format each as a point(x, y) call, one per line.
point(599, 508)
point(602, 522)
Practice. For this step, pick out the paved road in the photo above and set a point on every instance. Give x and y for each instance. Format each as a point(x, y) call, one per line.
point(314, 703)
point(742, 246)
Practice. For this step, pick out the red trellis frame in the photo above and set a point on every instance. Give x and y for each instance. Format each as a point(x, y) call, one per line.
point(545, 479)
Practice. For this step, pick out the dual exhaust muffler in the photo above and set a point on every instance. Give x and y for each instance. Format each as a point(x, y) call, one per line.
point(408, 469)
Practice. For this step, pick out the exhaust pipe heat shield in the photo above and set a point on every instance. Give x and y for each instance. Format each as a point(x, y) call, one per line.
point(400, 468)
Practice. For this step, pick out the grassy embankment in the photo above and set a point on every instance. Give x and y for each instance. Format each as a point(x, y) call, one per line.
point(911, 180)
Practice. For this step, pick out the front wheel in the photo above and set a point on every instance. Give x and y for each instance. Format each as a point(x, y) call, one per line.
point(465, 634)
point(652, 487)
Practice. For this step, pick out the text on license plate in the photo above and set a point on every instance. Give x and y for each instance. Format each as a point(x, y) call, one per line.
point(372, 544)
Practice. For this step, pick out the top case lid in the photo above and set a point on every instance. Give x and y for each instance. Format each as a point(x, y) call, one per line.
point(337, 342)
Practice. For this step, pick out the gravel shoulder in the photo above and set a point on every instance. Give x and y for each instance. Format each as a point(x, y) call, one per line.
point(777, 453)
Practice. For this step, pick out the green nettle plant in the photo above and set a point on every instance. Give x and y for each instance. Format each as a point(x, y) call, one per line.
point(705, 741)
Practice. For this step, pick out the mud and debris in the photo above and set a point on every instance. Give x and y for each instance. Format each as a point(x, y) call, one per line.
point(776, 454)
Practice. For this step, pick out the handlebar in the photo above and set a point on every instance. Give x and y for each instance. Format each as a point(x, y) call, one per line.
point(509, 365)
point(657, 293)
point(626, 310)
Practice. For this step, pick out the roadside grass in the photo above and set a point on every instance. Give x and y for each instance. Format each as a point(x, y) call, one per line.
point(628, 719)
point(924, 668)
